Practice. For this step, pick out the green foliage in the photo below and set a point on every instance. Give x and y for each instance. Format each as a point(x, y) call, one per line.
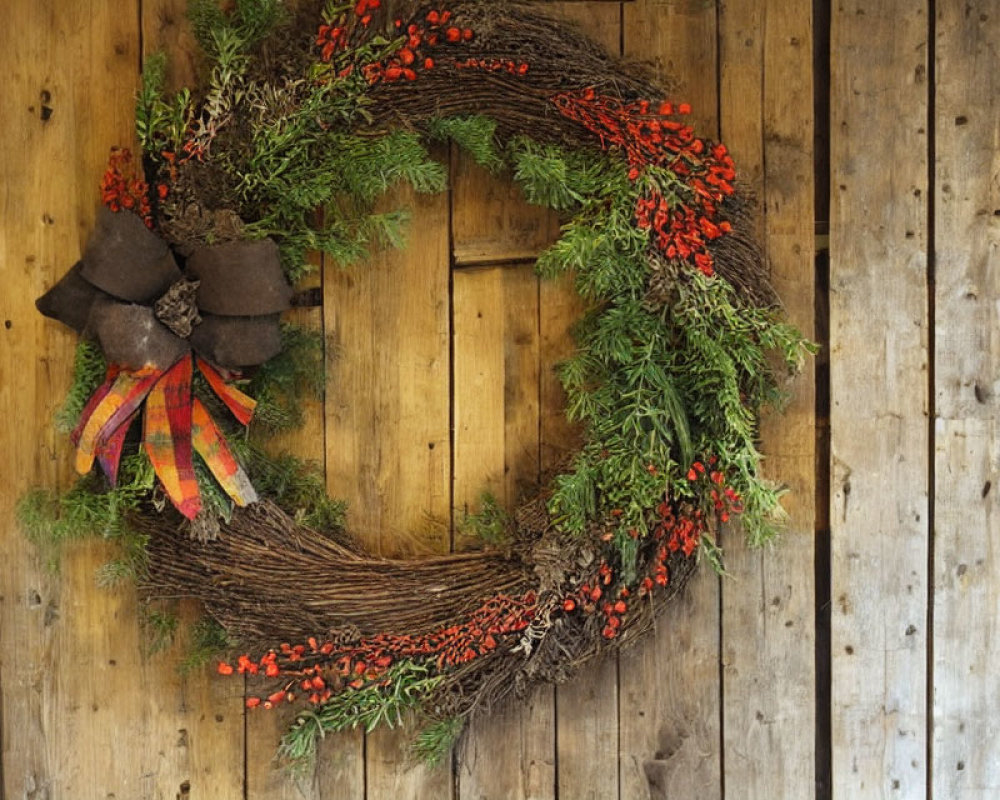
point(295, 485)
point(160, 122)
point(280, 385)
point(475, 134)
point(207, 640)
point(293, 171)
point(89, 371)
point(490, 524)
point(159, 628)
point(436, 740)
point(90, 508)
point(600, 243)
point(405, 687)
point(246, 24)
point(280, 145)
point(658, 388)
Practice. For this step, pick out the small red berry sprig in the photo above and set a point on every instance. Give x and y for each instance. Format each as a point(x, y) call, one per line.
point(649, 136)
point(317, 670)
point(518, 68)
point(598, 594)
point(678, 527)
point(419, 46)
point(121, 190)
point(725, 499)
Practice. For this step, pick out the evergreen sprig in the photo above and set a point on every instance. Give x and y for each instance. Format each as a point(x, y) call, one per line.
point(89, 371)
point(436, 740)
point(90, 508)
point(403, 688)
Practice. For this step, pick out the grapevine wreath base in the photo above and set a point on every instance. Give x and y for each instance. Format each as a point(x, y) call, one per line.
point(178, 295)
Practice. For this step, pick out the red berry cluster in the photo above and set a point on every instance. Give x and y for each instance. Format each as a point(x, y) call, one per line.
point(318, 670)
point(588, 598)
point(415, 52)
point(725, 499)
point(120, 189)
point(494, 65)
point(333, 35)
point(680, 232)
point(649, 137)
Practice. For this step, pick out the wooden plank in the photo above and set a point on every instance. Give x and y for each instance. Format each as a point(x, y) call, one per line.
point(94, 718)
point(768, 602)
point(879, 391)
point(387, 424)
point(966, 749)
point(387, 416)
point(510, 752)
point(29, 255)
point(670, 734)
point(495, 334)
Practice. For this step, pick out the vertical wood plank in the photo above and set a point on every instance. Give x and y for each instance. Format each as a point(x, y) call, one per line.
point(879, 391)
point(508, 754)
point(495, 333)
point(92, 716)
point(387, 417)
point(768, 598)
point(966, 750)
point(387, 425)
point(670, 736)
point(587, 705)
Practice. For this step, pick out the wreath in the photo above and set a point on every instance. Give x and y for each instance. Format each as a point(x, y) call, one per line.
point(303, 120)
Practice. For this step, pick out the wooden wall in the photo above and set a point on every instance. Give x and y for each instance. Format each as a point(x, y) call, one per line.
point(853, 661)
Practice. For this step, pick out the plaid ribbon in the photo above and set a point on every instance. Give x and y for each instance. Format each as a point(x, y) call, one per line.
point(166, 435)
point(175, 425)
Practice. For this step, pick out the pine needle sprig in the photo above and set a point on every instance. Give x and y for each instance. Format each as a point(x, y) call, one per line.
point(89, 372)
point(405, 686)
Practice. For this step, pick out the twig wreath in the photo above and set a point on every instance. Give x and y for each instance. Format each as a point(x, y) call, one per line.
point(302, 121)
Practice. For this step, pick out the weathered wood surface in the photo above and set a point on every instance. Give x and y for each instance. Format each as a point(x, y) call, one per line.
point(879, 389)
point(768, 606)
point(722, 701)
point(85, 713)
point(966, 392)
point(669, 689)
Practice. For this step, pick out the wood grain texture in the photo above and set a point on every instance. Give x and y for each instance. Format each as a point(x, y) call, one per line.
point(879, 390)
point(387, 418)
point(387, 423)
point(495, 330)
point(93, 717)
point(510, 753)
point(966, 748)
point(768, 601)
point(669, 693)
